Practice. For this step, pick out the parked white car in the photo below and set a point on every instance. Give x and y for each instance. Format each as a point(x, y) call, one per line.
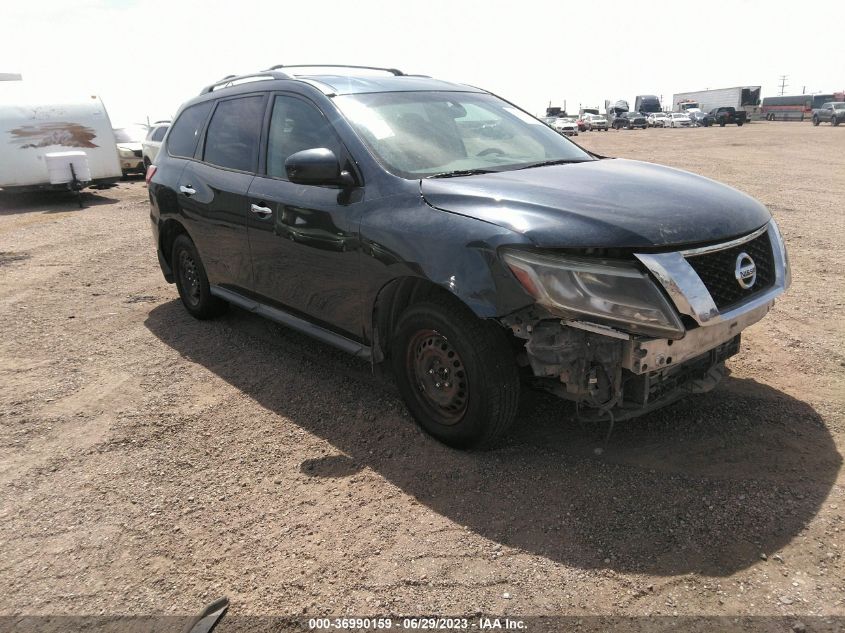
point(151, 144)
point(596, 122)
point(678, 119)
point(129, 148)
point(657, 119)
point(566, 125)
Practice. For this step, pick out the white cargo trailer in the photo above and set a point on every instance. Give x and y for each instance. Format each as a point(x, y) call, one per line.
point(50, 144)
point(740, 97)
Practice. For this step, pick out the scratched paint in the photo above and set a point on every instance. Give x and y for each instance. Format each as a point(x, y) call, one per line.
point(54, 133)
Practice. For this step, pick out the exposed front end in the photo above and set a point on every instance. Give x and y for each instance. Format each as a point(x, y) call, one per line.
point(626, 337)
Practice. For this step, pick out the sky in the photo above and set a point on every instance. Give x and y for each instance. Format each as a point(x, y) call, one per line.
point(146, 57)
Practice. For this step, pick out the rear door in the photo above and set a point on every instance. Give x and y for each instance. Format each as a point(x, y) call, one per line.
point(304, 238)
point(213, 189)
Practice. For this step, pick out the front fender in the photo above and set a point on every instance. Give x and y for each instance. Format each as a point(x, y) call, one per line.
point(405, 237)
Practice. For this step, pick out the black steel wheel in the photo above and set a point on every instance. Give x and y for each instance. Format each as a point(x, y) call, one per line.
point(456, 373)
point(192, 281)
point(437, 370)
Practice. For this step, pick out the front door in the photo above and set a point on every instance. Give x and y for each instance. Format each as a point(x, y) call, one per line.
point(304, 238)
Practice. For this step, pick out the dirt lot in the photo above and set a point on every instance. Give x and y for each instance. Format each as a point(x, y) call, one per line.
point(150, 462)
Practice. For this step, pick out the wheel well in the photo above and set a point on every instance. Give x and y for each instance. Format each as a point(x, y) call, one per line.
point(393, 299)
point(170, 230)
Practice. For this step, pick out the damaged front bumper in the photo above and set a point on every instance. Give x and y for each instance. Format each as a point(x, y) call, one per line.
point(623, 374)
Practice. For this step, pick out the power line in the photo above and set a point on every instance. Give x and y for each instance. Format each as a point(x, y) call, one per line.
point(783, 84)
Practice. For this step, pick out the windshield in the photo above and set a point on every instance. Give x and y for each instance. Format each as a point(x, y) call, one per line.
point(420, 134)
point(132, 134)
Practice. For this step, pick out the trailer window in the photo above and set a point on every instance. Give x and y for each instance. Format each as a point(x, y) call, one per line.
point(182, 141)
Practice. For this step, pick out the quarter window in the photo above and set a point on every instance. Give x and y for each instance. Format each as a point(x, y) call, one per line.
point(159, 133)
point(183, 140)
point(296, 125)
point(233, 133)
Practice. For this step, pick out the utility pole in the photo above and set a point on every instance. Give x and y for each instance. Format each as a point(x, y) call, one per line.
point(783, 84)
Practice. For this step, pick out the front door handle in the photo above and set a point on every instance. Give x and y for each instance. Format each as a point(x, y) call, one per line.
point(262, 212)
point(188, 191)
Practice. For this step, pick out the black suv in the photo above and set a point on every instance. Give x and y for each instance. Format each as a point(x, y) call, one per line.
point(438, 230)
point(630, 120)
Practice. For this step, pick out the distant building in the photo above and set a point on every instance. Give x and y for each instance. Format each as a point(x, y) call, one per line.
point(10, 77)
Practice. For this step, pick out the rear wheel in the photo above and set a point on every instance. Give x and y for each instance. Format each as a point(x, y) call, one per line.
point(456, 373)
point(192, 282)
point(835, 121)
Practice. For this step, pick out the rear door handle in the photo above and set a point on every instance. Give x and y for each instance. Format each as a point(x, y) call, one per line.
point(262, 212)
point(188, 191)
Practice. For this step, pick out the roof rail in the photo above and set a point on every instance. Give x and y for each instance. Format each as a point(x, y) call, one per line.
point(394, 71)
point(228, 80)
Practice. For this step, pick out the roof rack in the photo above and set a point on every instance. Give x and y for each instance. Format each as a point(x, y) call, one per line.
point(394, 71)
point(229, 80)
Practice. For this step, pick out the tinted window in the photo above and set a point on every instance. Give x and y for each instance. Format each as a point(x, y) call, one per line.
point(233, 133)
point(183, 140)
point(159, 133)
point(296, 125)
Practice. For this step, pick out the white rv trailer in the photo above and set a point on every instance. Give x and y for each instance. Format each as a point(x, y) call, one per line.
point(46, 143)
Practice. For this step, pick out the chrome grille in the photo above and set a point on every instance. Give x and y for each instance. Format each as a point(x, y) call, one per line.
point(717, 270)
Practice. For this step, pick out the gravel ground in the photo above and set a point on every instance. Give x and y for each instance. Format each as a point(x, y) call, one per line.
point(150, 462)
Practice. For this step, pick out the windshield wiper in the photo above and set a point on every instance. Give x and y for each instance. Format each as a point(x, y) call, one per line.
point(559, 161)
point(462, 172)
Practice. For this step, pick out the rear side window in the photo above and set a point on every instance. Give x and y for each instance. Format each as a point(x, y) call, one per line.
point(183, 140)
point(159, 133)
point(234, 132)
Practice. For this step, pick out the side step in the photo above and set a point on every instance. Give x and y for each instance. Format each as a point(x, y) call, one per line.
point(280, 316)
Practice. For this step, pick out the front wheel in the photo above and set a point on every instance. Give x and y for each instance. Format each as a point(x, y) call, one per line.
point(816, 121)
point(834, 121)
point(456, 373)
point(192, 281)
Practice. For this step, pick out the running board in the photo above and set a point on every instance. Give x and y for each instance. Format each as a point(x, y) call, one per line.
point(280, 316)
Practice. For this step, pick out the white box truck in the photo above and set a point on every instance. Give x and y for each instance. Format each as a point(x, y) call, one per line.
point(46, 143)
point(745, 98)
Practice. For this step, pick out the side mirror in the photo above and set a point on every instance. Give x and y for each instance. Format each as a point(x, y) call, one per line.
point(318, 166)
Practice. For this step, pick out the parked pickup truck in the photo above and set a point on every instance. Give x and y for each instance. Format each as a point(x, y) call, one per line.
point(832, 112)
point(728, 114)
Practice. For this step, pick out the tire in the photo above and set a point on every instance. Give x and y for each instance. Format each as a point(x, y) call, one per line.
point(739, 123)
point(816, 121)
point(192, 282)
point(440, 342)
point(721, 123)
point(147, 164)
point(834, 121)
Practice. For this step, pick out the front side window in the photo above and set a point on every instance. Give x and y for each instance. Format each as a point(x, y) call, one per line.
point(183, 140)
point(159, 132)
point(234, 132)
point(421, 134)
point(296, 125)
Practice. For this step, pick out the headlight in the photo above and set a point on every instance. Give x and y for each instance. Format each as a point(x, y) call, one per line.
point(126, 153)
point(615, 293)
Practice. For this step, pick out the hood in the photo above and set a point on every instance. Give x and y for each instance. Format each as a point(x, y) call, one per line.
point(610, 203)
point(130, 146)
